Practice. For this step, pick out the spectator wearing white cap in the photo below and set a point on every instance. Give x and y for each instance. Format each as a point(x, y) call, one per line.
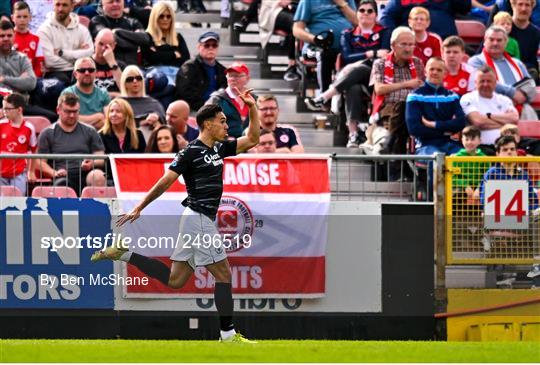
point(198, 78)
point(236, 111)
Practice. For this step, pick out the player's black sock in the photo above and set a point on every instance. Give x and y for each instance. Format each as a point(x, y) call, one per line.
point(224, 305)
point(151, 267)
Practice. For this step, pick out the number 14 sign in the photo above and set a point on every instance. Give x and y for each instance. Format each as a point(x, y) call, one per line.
point(506, 204)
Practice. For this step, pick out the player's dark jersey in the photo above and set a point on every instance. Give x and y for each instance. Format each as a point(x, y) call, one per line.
point(202, 168)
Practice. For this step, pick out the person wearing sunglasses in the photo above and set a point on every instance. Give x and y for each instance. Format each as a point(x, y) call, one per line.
point(360, 46)
point(167, 48)
point(163, 51)
point(201, 76)
point(149, 112)
point(93, 100)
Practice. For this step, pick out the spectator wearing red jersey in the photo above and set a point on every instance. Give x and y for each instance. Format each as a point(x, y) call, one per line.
point(427, 44)
point(24, 40)
point(18, 136)
point(458, 73)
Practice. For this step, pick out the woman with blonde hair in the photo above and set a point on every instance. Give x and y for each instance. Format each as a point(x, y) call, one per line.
point(148, 111)
point(168, 47)
point(119, 133)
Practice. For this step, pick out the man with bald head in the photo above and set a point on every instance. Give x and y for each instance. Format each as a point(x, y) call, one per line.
point(108, 70)
point(177, 116)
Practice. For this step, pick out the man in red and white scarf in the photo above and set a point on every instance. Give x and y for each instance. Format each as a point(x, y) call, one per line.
point(508, 70)
point(394, 77)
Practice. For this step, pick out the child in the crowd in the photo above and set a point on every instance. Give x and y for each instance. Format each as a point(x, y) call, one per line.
point(533, 168)
point(471, 172)
point(512, 130)
point(458, 73)
point(25, 41)
point(504, 19)
point(18, 136)
point(427, 44)
point(509, 169)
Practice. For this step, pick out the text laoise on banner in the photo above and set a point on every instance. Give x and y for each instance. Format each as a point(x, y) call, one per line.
point(273, 222)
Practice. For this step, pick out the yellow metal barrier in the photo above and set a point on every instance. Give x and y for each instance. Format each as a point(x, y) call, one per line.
point(492, 210)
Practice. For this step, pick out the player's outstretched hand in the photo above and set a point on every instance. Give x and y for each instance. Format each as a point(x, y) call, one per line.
point(246, 97)
point(129, 217)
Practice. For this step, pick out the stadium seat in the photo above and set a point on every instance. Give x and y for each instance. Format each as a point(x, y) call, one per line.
point(84, 20)
point(471, 31)
point(39, 122)
point(53, 192)
point(529, 128)
point(98, 192)
point(10, 191)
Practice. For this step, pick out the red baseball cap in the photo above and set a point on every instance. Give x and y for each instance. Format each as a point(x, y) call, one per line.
point(238, 67)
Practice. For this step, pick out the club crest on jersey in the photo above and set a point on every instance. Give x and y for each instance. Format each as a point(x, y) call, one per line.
point(284, 138)
point(235, 219)
point(462, 83)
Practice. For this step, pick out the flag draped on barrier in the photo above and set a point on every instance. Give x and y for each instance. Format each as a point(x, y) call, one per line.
point(273, 221)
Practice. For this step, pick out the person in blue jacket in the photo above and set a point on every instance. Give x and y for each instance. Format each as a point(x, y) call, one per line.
point(433, 114)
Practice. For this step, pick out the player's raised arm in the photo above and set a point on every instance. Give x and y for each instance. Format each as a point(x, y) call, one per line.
point(251, 139)
point(159, 188)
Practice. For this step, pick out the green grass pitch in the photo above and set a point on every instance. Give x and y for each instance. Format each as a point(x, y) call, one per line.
point(265, 351)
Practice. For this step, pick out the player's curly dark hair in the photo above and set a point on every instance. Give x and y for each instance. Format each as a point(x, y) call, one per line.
point(207, 112)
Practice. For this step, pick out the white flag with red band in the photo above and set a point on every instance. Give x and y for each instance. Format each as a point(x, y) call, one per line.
point(273, 218)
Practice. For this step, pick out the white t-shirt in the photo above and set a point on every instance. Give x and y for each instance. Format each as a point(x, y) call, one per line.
point(498, 104)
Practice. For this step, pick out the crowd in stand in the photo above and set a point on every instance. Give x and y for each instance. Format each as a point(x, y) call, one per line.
point(124, 80)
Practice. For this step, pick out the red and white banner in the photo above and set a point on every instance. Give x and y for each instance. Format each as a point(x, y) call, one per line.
point(274, 209)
